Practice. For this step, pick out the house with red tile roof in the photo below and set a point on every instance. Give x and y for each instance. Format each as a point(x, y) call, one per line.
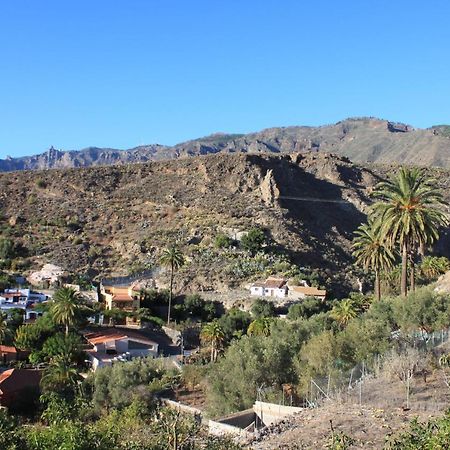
point(15, 383)
point(271, 287)
point(124, 298)
point(118, 345)
point(10, 354)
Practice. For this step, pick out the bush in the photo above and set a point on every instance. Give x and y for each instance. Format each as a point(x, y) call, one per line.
point(253, 241)
point(7, 250)
point(222, 241)
point(306, 308)
point(41, 184)
point(234, 323)
point(262, 308)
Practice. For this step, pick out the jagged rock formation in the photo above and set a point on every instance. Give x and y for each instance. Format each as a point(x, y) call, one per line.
point(362, 140)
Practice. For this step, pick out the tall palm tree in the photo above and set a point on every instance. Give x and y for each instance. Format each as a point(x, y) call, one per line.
point(372, 252)
point(65, 307)
point(408, 209)
point(344, 311)
point(260, 327)
point(173, 258)
point(213, 334)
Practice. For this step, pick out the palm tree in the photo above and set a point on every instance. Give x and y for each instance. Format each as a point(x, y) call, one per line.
point(213, 334)
point(60, 375)
point(260, 327)
point(431, 266)
point(408, 211)
point(371, 251)
point(173, 258)
point(65, 307)
point(344, 311)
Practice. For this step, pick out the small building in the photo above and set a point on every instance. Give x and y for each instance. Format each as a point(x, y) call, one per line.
point(18, 383)
point(10, 354)
point(21, 297)
point(115, 345)
point(124, 298)
point(272, 287)
point(301, 292)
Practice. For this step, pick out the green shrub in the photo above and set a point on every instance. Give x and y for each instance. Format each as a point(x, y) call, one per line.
point(222, 241)
point(41, 184)
point(253, 241)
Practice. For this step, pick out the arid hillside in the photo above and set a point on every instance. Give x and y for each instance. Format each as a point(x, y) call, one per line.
point(115, 220)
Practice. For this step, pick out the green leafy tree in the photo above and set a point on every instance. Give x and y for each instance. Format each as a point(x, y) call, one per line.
point(306, 308)
point(173, 258)
point(372, 252)
point(6, 249)
point(213, 334)
point(5, 332)
point(262, 308)
point(68, 347)
point(115, 315)
point(253, 241)
point(66, 307)
point(260, 327)
point(410, 212)
point(234, 323)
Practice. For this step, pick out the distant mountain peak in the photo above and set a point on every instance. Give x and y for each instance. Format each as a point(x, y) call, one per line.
point(362, 139)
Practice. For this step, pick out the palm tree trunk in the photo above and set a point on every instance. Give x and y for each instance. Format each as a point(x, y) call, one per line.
point(377, 285)
point(170, 293)
point(404, 284)
point(67, 329)
point(412, 275)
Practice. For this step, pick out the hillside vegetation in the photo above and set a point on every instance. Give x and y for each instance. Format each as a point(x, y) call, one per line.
point(115, 220)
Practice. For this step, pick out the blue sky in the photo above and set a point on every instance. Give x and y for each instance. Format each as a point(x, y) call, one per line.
point(118, 74)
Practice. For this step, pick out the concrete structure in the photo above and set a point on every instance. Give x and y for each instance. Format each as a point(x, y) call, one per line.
point(112, 345)
point(301, 292)
point(272, 287)
point(246, 423)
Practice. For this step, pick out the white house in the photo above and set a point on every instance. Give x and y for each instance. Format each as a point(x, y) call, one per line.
point(111, 346)
point(272, 287)
point(21, 297)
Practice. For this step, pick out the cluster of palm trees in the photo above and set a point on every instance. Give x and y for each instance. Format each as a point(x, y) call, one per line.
point(65, 309)
point(404, 220)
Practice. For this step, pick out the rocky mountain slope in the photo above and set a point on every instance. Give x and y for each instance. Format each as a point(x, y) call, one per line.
point(362, 140)
point(115, 220)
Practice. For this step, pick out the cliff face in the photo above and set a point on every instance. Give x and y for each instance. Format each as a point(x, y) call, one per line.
point(362, 140)
point(107, 220)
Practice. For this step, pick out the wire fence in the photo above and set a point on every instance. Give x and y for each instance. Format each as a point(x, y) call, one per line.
point(340, 384)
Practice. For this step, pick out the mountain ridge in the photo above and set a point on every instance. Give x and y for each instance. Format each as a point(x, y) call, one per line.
point(363, 140)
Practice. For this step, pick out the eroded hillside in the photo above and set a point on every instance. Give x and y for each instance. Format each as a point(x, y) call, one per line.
point(115, 220)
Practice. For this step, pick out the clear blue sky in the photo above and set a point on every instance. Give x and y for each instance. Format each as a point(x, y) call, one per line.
point(122, 73)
